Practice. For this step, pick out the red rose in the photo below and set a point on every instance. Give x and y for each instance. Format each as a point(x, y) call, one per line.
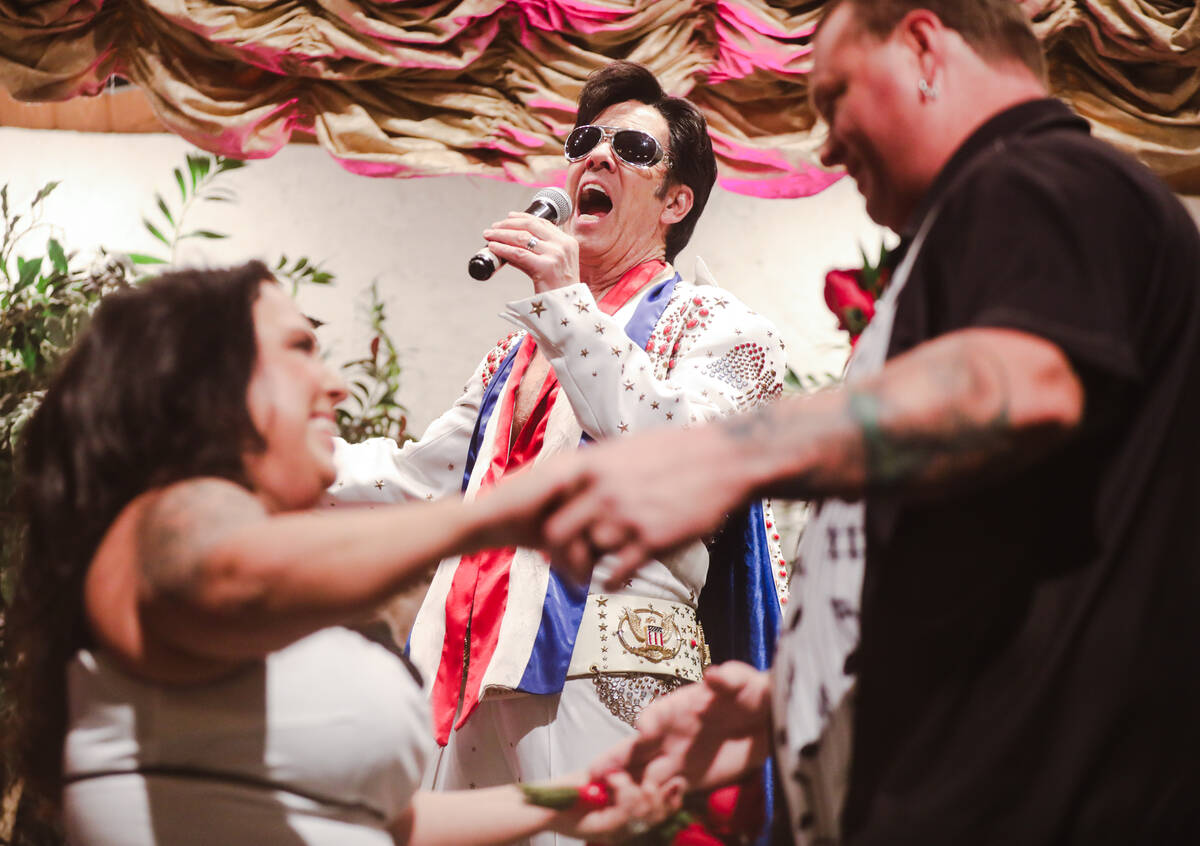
point(593, 796)
point(852, 306)
point(721, 805)
point(738, 809)
point(590, 797)
point(696, 835)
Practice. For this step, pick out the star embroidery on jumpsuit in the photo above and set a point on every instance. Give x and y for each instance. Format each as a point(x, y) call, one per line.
point(536, 308)
point(624, 427)
point(599, 328)
point(629, 386)
point(583, 353)
point(581, 307)
point(379, 484)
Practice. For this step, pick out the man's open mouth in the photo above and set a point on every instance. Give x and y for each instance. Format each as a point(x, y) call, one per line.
point(594, 200)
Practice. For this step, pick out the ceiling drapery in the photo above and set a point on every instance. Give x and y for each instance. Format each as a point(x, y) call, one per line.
point(488, 86)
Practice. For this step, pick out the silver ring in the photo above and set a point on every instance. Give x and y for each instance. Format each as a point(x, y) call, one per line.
point(637, 826)
point(531, 244)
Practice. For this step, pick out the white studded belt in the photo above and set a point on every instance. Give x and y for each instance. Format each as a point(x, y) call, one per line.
point(635, 634)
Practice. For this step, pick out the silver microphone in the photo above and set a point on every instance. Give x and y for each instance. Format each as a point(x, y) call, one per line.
point(550, 204)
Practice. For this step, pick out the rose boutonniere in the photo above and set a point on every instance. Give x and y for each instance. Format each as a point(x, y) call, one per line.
point(728, 816)
point(851, 294)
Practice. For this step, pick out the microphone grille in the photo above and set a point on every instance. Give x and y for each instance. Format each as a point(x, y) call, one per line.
point(557, 198)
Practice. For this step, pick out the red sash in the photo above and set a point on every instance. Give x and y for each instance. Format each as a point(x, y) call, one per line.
point(478, 593)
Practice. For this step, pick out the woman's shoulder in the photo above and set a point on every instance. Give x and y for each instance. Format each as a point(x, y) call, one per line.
point(148, 550)
point(189, 504)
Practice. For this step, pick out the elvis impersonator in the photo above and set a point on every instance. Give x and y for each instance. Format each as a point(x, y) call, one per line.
point(530, 675)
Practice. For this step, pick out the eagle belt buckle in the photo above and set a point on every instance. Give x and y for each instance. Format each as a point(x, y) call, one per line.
point(649, 634)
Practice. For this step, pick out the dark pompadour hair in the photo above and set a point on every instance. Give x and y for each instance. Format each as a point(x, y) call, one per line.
point(691, 160)
point(995, 29)
point(154, 392)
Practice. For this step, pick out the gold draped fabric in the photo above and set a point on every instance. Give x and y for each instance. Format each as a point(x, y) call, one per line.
point(423, 87)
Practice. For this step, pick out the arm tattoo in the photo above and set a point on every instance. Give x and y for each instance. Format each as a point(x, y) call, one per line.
point(760, 424)
point(180, 525)
point(941, 413)
point(971, 427)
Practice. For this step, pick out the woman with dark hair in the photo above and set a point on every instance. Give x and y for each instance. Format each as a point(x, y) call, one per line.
point(177, 662)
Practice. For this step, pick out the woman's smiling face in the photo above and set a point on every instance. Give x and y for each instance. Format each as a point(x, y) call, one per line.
point(291, 399)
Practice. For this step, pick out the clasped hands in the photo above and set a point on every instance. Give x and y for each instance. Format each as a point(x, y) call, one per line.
point(704, 735)
point(625, 501)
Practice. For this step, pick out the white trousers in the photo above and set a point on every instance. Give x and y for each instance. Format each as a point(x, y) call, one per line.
point(529, 738)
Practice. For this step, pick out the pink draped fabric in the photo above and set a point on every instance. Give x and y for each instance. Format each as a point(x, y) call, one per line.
point(488, 87)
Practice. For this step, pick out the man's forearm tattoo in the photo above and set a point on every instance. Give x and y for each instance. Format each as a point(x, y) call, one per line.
point(971, 427)
point(761, 423)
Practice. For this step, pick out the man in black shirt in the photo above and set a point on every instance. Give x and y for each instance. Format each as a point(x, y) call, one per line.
point(1021, 424)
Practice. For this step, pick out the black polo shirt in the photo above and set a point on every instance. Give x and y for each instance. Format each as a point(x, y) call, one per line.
point(1030, 654)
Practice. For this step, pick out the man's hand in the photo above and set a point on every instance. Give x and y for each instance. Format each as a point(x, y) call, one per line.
point(546, 254)
point(514, 512)
point(645, 496)
point(706, 734)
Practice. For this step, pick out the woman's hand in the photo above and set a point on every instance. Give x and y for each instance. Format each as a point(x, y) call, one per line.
point(504, 814)
point(630, 809)
point(514, 512)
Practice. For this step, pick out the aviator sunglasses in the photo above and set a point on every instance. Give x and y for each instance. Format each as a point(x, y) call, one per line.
point(632, 146)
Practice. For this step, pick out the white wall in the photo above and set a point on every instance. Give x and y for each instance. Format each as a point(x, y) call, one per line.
point(414, 236)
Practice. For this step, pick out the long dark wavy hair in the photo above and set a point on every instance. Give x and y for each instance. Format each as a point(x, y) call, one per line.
point(153, 393)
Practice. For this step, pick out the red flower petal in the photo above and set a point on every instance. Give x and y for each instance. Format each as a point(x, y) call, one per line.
point(593, 795)
point(852, 306)
point(695, 835)
point(721, 805)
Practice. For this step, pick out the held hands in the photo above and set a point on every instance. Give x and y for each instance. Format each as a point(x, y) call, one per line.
point(515, 511)
point(545, 253)
point(608, 809)
point(639, 498)
point(706, 734)
point(628, 501)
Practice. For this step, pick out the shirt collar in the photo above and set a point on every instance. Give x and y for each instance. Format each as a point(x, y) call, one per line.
point(1025, 118)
